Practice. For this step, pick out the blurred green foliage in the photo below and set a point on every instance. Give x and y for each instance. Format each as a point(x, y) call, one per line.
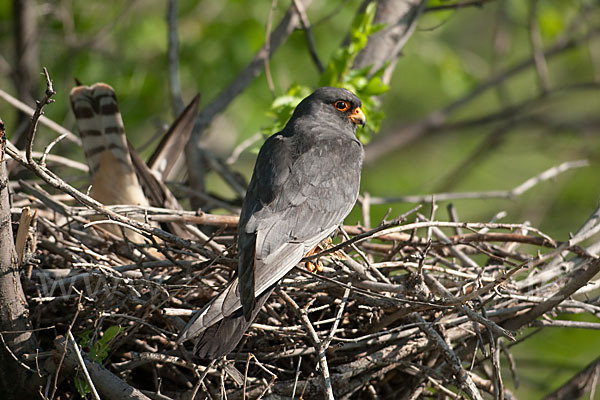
point(365, 84)
point(450, 54)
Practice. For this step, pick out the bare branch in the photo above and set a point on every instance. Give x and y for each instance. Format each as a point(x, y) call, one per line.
point(436, 119)
point(585, 381)
point(310, 42)
point(43, 120)
point(535, 39)
point(506, 194)
point(384, 47)
point(279, 35)
point(458, 4)
point(173, 58)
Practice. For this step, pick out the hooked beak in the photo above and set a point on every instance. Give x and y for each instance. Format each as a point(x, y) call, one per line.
point(358, 117)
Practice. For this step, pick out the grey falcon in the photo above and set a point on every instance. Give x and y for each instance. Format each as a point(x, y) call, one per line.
point(305, 182)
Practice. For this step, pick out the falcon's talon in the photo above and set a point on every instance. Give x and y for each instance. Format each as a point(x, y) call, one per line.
point(314, 266)
point(328, 244)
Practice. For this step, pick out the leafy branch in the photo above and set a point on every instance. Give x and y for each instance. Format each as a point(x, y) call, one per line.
point(365, 84)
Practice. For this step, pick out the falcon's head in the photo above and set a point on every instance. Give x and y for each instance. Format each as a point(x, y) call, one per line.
point(333, 105)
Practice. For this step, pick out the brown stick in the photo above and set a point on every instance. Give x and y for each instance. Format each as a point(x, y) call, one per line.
point(16, 380)
point(575, 280)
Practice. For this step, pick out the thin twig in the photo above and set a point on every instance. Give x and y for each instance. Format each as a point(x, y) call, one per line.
point(86, 374)
point(535, 39)
point(173, 58)
point(42, 119)
point(308, 34)
point(457, 5)
point(317, 344)
point(451, 358)
point(497, 194)
point(268, 47)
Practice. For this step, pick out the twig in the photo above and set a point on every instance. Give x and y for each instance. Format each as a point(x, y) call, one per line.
point(317, 344)
point(308, 34)
point(279, 35)
point(296, 376)
point(173, 58)
point(337, 320)
point(451, 358)
point(505, 194)
point(49, 148)
point(36, 116)
point(43, 120)
point(457, 5)
point(490, 325)
point(235, 154)
point(576, 280)
point(567, 324)
point(585, 381)
point(86, 374)
point(436, 119)
point(535, 39)
point(362, 236)
point(268, 47)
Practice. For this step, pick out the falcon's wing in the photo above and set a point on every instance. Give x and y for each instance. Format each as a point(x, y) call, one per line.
point(291, 205)
point(294, 202)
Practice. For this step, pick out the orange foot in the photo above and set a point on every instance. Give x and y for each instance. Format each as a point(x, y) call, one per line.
point(312, 266)
point(315, 265)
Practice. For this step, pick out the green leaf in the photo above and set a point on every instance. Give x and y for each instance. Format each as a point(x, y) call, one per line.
point(101, 348)
point(375, 28)
point(82, 387)
point(364, 20)
point(111, 333)
point(375, 87)
point(85, 337)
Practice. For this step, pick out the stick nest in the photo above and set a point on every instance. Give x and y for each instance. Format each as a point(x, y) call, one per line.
point(411, 307)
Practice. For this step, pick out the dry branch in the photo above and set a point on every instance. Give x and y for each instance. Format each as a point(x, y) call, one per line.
point(17, 380)
point(437, 119)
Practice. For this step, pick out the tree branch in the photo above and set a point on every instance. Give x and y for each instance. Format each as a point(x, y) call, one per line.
point(400, 18)
point(436, 119)
point(16, 382)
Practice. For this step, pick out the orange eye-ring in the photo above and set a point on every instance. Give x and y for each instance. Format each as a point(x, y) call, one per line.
point(342, 105)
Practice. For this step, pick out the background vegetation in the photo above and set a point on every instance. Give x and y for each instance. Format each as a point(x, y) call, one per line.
point(525, 122)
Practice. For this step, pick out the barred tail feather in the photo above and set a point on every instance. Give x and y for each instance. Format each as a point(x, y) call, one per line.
point(100, 125)
point(103, 138)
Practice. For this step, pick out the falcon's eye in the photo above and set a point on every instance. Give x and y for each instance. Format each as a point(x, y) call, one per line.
point(342, 105)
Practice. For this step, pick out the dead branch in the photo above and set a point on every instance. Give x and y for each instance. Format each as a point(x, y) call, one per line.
point(17, 380)
point(436, 120)
point(505, 194)
point(581, 383)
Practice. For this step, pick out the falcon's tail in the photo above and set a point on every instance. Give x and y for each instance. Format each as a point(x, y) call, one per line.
point(103, 138)
point(221, 337)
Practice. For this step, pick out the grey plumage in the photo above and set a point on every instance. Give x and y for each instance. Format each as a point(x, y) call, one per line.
point(305, 182)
